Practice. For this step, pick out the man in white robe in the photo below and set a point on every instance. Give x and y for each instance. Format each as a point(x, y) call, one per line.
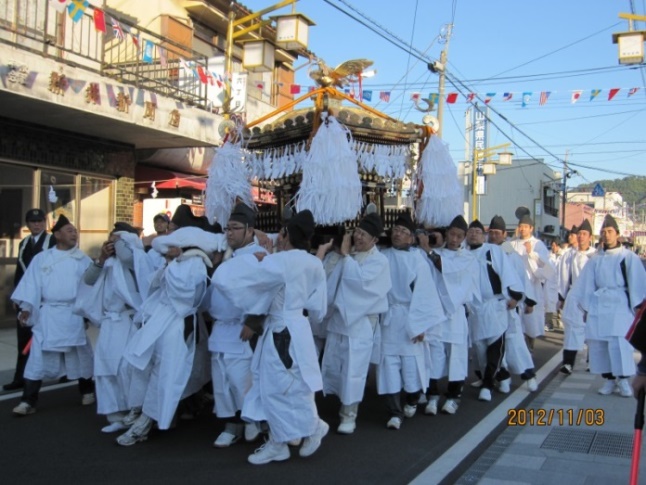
point(168, 338)
point(360, 298)
point(413, 308)
point(230, 340)
point(285, 366)
point(46, 295)
point(517, 359)
point(569, 269)
point(455, 272)
point(550, 288)
point(501, 290)
point(539, 269)
point(609, 289)
point(111, 294)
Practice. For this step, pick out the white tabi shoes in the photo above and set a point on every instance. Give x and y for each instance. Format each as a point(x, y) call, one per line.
point(270, 451)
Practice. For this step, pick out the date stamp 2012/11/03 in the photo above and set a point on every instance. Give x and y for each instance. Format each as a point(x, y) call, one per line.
point(556, 416)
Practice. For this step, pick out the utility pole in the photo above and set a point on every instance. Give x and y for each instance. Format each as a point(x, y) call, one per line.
point(442, 71)
point(564, 201)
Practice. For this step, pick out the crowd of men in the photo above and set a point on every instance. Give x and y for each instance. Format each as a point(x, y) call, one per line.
point(269, 321)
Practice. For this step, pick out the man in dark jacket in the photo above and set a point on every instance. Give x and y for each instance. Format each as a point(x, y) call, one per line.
point(37, 241)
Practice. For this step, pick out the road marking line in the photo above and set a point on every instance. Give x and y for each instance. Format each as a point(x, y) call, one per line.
point(451, 458)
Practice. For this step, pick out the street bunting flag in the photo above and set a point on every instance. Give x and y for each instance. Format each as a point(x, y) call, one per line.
point(594, 93)
point(147, 55)
point(489, 97)
point(415, 96)
point(452, 98)
point(59, 5)
point(76, 9)
point(367, 95)
point(384, 96)
point(543, 98)
point(470, 97)
point(632, 91)
point(507, 96)
point(295, 89)
point(433, 97)
point(117, 30)
point(163, 58)
point(575, 96)
point(527, 95)
point(612, 93)
point(99, 20)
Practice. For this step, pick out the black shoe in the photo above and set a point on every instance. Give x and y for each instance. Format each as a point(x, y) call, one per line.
point(13, 386)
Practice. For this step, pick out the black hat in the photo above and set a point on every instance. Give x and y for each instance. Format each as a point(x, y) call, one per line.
point(585, 226)
point(184, 217)
point(372, 224)
point(164, 217)
point(574, 230)
point(60, 223)
point(124, 227)
point(478, 224)
point(301, 225)
point(406, 221)
point(244, 214)
point(35, 215)
point(610, 221)
point(498, 223)
point(526, 219)
point(459, 223)
point(214, 228)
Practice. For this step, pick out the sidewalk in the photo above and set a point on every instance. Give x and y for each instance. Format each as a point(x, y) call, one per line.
point(568, 434)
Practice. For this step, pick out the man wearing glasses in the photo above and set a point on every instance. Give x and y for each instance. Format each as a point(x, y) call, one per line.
point(229, 343)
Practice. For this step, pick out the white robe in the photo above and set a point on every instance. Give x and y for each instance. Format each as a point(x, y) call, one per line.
point(281, 286)
point(551, 286)
point(413, 308)
point(539, 269)
point(572, 315)
point(458, 284)
point(230, 356)
point(488, 318)
point(363, 283)
point(517, 357)
point(111, 304)
point(610, 299)
point(48, 290)
point(176, 292)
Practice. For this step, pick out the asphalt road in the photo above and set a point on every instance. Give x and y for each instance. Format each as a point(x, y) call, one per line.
point(62, 443)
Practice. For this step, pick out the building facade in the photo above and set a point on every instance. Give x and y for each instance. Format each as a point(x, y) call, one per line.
point(88, 93)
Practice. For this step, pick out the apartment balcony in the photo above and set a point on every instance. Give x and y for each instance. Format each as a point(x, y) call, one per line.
point(142, 89)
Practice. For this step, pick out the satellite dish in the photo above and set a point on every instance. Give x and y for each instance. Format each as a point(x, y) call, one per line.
point(522, 211)
point(432, 122)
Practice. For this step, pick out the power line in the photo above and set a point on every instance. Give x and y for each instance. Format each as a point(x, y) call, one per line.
point(462, 87)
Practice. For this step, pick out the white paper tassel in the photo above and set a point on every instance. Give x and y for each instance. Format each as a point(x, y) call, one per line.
point(227, 182)
point(442, 197)
point(331, 187)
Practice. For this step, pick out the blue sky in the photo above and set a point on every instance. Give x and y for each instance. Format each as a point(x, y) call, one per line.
point(503, 46)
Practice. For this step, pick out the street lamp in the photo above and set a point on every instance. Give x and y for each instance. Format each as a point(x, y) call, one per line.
point(631, 43)
point(258, 53)
point(479, 170)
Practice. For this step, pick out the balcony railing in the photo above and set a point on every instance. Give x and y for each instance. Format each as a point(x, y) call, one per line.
point(34, 26)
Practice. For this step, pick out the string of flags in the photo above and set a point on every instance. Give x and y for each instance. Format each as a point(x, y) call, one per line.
point(527, 96)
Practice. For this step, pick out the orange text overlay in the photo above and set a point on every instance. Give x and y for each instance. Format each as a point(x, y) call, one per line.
point(556, 416)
